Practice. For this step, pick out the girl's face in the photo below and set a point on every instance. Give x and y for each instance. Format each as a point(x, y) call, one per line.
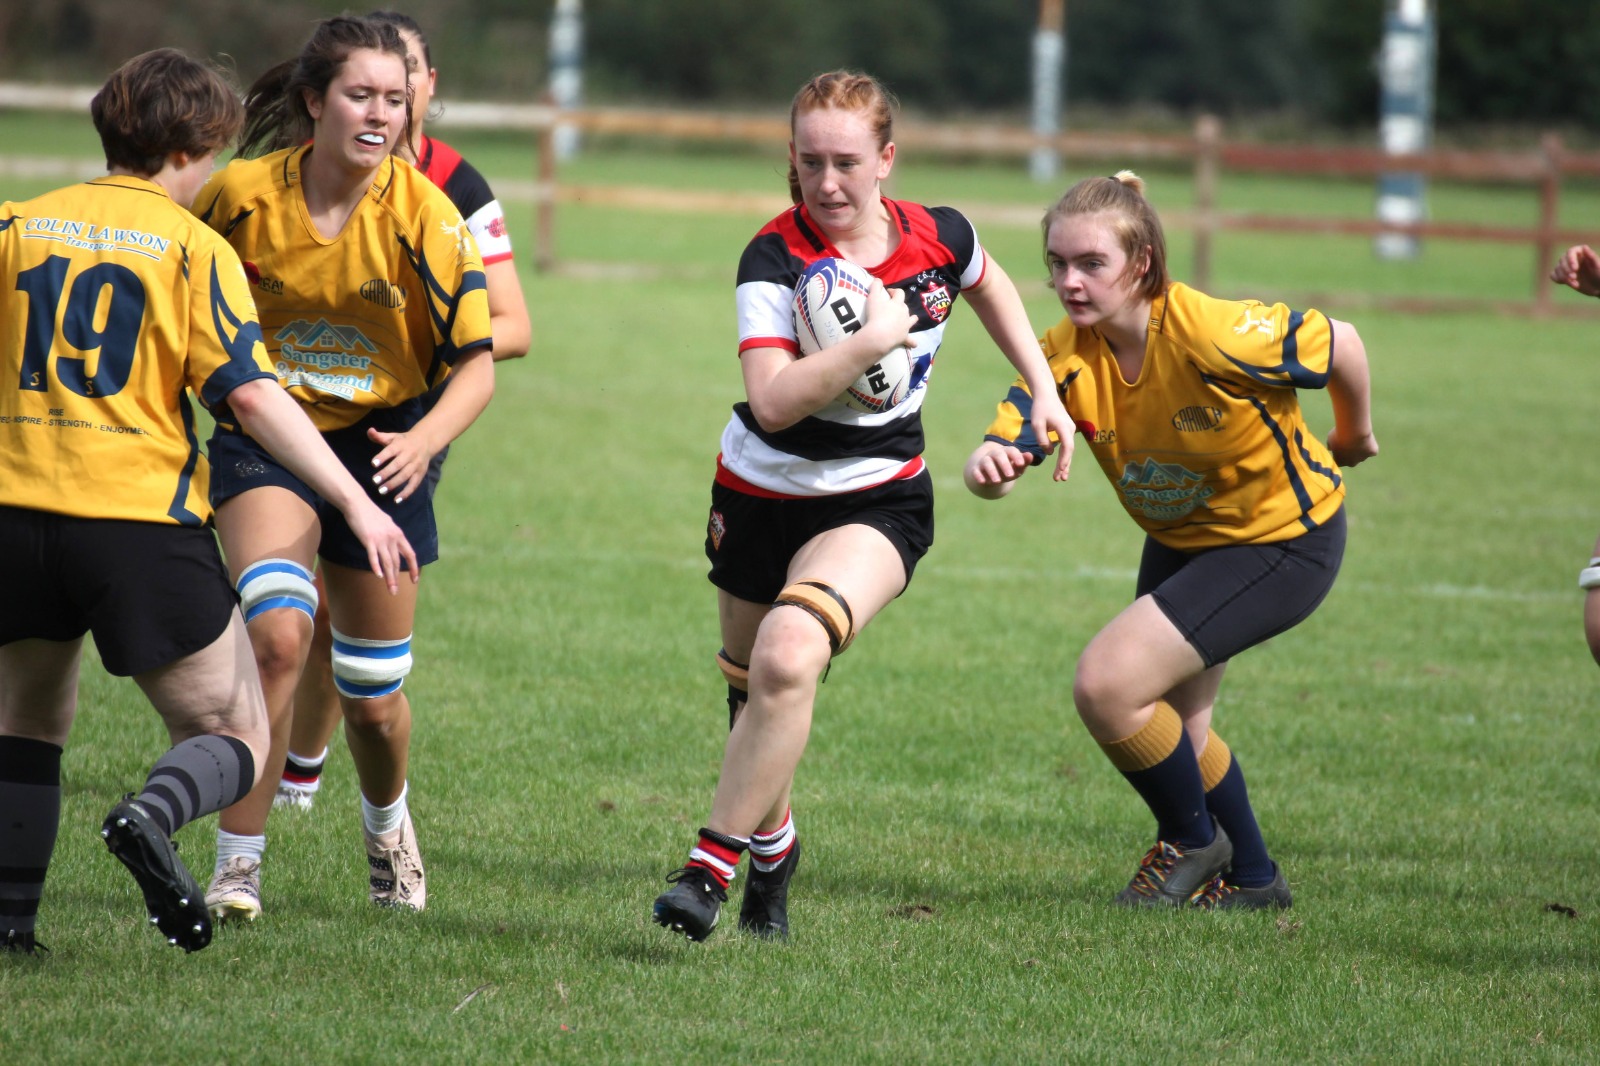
point(362, 116)
point(1089, 270)
point(836, 155)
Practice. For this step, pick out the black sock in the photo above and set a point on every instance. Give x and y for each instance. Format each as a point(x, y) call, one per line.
point(194, 778)
point(1229, 801)
point(30, 817)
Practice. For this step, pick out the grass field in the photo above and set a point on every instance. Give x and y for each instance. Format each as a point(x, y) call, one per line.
point(1423, 752)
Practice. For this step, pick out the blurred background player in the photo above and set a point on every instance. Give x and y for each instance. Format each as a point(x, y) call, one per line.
point(1579, 269)
point(103, 507)
point(371, 293)
point(1189, 405)
point(316, 702)
point(819, 512)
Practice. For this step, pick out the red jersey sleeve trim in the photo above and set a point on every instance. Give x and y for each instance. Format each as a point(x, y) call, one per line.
point(786, 343)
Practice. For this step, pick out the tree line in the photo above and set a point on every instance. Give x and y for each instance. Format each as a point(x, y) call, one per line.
point(1533, 63)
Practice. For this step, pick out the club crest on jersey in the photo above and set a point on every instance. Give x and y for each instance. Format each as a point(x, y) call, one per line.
point(936, 301)
point(458, 230)
point(716, 529)
point(1263, 325)
point(384, 293)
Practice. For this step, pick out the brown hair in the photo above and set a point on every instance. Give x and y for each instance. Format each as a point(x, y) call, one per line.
point(1120, 199)
point(161, 102)
point(847, 91)
point(275, 106)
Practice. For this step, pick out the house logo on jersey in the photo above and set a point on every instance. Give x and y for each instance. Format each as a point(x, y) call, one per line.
point(1198, 419)
point(1162, 491)
point(1263, 325)
point(320, 356)
point(936, 300)
point(383, 293)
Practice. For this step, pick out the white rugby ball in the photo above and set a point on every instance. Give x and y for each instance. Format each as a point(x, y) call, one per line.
point(830, 303)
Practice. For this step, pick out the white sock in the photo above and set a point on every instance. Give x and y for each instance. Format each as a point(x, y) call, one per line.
point(381, 820)
point(768, 850)
point(233, 845)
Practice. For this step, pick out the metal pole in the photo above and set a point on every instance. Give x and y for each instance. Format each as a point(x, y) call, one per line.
point(566, 68)
point(1049, 66)
point(1405, 119)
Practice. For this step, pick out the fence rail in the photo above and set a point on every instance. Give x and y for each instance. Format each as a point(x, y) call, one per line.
point(1205, 150)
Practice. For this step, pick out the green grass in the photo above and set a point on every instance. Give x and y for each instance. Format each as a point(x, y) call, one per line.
point(1422, 751)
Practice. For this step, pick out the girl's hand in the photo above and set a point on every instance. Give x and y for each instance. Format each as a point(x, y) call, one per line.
point(1352, 449)
point(993, 468)
point(889, 321)
point(1050, 416)
point(402, 464)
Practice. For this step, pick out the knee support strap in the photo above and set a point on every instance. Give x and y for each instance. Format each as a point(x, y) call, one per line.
point(364, 669)
point(822, 602)
point(273, 583)
point(738, 675)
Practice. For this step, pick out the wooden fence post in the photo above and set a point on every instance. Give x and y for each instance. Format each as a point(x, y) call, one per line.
point(1549, 208)
point(1208, 137)
point(544, 200)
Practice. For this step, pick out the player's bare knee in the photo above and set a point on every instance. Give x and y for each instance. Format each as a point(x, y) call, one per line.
point(376, 718)
point(791, 651)
point(1097, 691)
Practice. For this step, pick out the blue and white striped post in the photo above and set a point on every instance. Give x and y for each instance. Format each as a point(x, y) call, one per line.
point(1049, 63)
point(566, 69)
point(1405, 119)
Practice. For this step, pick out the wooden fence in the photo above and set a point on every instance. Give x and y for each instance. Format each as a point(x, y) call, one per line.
point(1205, 150)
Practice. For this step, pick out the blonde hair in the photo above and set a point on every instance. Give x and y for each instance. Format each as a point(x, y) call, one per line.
point(847, 91)
point(1120, 200)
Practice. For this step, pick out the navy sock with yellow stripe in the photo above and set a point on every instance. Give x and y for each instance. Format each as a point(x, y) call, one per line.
point(1229, 802)
point(1159, 762)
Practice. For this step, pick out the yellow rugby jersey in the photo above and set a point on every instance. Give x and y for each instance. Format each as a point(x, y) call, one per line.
point(367, 319)
point(113, 301)
point(1209, 446)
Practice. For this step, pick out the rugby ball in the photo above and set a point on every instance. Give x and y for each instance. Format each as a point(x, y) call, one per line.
point(830, 303)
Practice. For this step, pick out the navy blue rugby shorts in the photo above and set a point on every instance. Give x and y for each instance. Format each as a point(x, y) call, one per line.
point(1224, 600)
point(239, 464)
